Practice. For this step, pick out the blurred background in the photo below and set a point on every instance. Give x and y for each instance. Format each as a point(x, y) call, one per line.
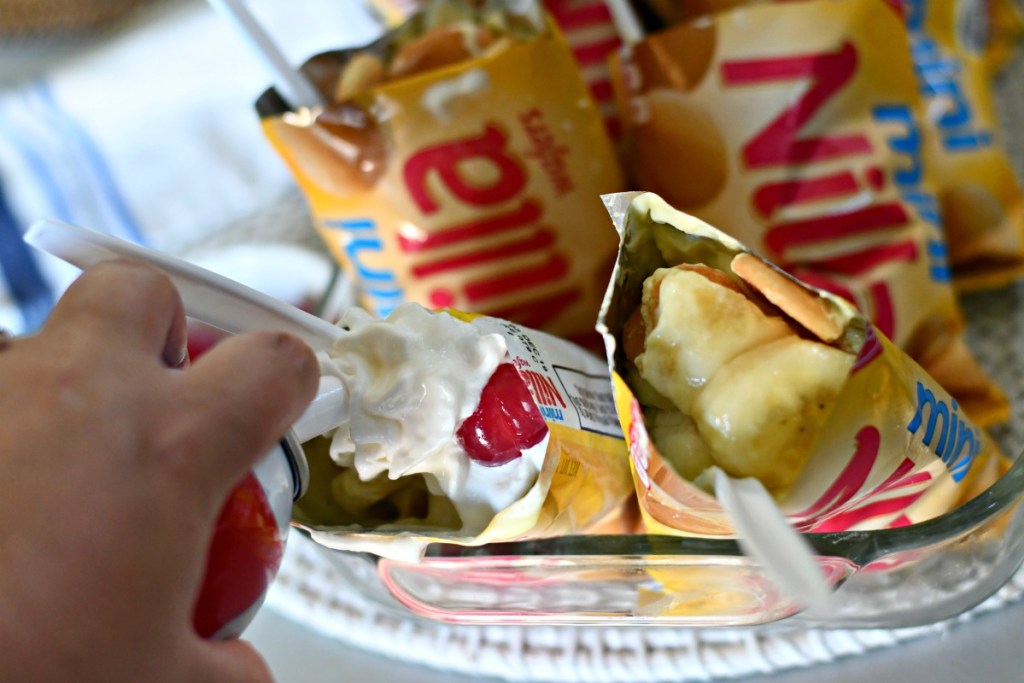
point(136, 117)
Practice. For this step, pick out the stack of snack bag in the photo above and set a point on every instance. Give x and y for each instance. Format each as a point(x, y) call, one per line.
point(459, 162)
point(721, 360)
point(463, 429)
point(458, 166)
point(798, 127)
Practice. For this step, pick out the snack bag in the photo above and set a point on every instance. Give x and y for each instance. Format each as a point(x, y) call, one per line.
point(719, 359)
point(463, 429)
point(661, 14)
point(979, 195)
point(459, 165)
point(796, 125)
point(588, 29)
point(951, 44)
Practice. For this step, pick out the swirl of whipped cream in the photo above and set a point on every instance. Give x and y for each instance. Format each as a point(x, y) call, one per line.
point(411, 380)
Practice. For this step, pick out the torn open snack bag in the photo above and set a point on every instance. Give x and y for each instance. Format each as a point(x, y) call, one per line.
point(459, 163)
point(720, 359)
point(462, 429)
point(796, 127)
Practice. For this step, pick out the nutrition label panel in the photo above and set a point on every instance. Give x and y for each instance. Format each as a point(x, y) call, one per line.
point(591, 396)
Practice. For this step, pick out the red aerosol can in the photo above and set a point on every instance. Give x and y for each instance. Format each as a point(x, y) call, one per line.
point(248, 542)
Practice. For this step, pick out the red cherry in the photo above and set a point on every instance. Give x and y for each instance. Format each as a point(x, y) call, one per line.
point(506, 422)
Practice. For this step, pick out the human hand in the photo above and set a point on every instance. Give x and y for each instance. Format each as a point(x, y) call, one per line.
point(115, 459)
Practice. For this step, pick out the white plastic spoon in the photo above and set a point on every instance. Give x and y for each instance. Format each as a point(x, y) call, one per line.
point(765, 534)
point(291, 84)
point(212, 299)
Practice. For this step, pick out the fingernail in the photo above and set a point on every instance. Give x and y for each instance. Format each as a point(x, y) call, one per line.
point(177, 359)
point(299, 352)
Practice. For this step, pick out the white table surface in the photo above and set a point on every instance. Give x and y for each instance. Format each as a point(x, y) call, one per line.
point(989, 649)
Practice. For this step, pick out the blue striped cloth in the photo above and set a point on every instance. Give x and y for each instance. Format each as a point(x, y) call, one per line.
point(151, 136)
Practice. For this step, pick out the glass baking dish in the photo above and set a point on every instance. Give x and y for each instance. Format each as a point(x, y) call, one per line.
point(908, 576)
point(892, 578)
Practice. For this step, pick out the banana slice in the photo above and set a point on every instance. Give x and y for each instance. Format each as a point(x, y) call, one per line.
point(761, 412)
point(695, 325)
point(676, 437)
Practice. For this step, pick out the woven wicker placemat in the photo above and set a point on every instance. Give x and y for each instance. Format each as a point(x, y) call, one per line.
point(318, 590)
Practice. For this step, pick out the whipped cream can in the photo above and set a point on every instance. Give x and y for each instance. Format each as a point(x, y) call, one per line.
point(248, 542)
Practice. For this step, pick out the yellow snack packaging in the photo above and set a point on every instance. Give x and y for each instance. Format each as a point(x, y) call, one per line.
point(794, 387)
point(980, 197)
point(797, 126)
point(588, 28)
point(463, 429)
point(953, 46)
point(459, 164)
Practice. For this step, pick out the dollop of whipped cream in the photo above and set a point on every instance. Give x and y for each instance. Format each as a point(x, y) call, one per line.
point(411, 380)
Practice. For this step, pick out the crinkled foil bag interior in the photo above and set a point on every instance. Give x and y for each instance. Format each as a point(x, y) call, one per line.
point(459, 165)
point(798, 127)
point(583, 484)
point(892, 449)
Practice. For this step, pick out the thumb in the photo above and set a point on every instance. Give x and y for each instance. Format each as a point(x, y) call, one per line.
point(241, 397)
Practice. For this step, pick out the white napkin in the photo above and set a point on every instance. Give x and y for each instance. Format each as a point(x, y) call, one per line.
point(150, 135)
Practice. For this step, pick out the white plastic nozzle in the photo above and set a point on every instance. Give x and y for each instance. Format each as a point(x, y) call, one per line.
point(327, 411)
point(212, 299)
point(207, 296)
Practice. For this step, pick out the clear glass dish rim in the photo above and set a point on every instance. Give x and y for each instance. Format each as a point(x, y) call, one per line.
point(860, 547)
